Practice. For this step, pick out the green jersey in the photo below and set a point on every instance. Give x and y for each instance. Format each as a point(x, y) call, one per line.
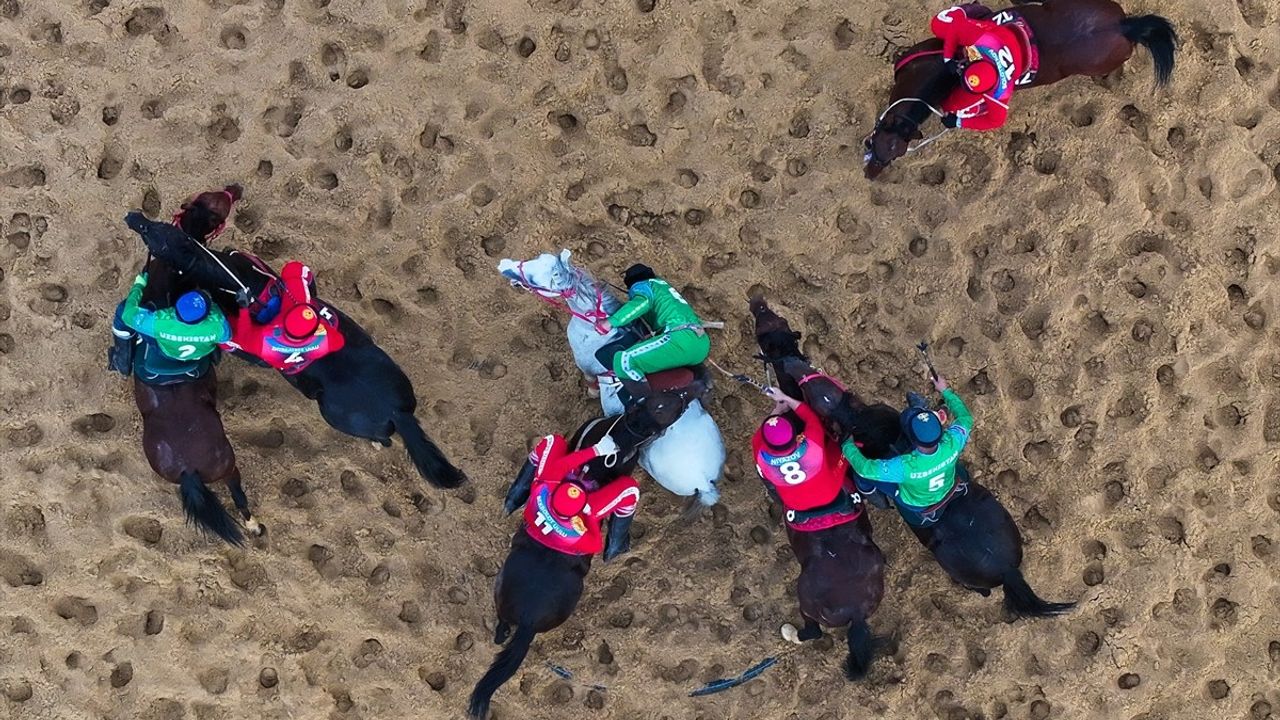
point(922, 479)
point(658, 303)
point(176, 339)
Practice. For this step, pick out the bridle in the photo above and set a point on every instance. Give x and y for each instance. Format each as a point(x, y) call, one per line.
point(894, 127)
point(560, 298)
point(177, 217)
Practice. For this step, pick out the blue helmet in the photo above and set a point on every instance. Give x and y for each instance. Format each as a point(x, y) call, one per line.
point(922, 427)
point(192, 306)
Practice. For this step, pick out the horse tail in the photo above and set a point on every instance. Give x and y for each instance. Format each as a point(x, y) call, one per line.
point(708, 497)
point(1158, 35)
point(426, 455)
point(860, 650)
point(503, 669)
point(203, 509)
point(1021, 600)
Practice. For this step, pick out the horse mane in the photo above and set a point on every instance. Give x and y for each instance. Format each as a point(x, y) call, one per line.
point(586, 284)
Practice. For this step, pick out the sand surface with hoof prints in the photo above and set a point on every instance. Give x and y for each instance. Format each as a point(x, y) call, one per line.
point(1098, 279)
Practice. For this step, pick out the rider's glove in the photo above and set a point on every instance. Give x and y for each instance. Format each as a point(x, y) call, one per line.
point(950, 121)
point(140, 279)
point(606, 446)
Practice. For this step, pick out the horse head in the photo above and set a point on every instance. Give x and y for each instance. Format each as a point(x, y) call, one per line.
point(551, 276)
point(204, 216)
point(921, 81)
point(773, 334)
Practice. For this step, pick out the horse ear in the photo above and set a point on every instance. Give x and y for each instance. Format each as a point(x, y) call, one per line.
point(795, 334)
point(565, 255)
point(506, 264)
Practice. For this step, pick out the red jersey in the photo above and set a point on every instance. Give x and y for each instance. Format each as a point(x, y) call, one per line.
point(989, 41)
point(579, 534)
point(809, 476)
point(269, 341)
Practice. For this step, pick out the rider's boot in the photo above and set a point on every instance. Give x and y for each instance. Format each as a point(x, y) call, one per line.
point(633, 392)
point(120, 354)
point(872, 495)
point(619, 539)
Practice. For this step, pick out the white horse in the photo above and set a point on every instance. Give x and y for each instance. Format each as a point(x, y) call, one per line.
point(687, 459)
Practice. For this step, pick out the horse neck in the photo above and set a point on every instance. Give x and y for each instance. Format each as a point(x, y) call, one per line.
point(161, 283)
point(925, 78)
point(847, 415)
point(587, 293)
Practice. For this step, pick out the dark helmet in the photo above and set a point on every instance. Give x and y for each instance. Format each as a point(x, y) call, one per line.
point(637, 273)
point(922, 427)
point(192, 306)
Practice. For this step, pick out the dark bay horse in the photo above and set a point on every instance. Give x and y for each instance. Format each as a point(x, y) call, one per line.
point(182, 433)
point(976, 541)
point(538, 588)
point(841, 579)
point(361, 391)
point(1074, 37)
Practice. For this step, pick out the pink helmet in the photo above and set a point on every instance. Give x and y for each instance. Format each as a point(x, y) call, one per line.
point(778, 432)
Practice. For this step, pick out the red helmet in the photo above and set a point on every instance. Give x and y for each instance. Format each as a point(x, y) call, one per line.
point(301, 322)
point(980, 76)
point(568, 499)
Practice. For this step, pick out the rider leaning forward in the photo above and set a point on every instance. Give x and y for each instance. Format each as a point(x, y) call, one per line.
point(922, 479)
point(679, 338)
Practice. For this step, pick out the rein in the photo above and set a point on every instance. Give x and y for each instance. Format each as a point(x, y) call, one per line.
point(243, 299)
point(912, 57)
point(819, 374)
point(551, 297)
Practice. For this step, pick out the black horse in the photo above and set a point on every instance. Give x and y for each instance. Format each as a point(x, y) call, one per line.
point(538, 588)
point(360, 389)
point(976, 541)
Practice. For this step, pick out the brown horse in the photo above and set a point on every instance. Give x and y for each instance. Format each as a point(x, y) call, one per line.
point(1073, 37)
point(182, 433)
point(841, 568)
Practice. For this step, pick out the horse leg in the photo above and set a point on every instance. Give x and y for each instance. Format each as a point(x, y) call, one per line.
point(810, 631)
point(593, 384)
point(242, 504)
point(501, 632)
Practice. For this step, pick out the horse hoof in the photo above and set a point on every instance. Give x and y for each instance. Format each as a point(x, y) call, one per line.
point(255, 528)
point(593, 392)
point(790, 634)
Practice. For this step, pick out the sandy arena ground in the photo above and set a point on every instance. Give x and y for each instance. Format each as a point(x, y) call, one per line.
point(1098, 279)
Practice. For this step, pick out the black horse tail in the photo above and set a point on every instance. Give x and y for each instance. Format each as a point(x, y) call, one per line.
point(203, 509)
point(860, 650)
point(426, 455)
point(1158, 35)
point(1021, 600)
point(503, 669)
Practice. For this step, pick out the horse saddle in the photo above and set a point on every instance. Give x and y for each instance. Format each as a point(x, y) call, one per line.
point(153, 367)
point(673, 391)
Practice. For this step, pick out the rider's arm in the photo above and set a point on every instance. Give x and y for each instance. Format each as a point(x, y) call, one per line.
point(888, 471)
point(955, 29)
point(136, 316)
point(224, 332)
point(962, 419)
point(635, 308)
point(812, 423)
point(619, 497)
point(558, 467)
point(992, 117)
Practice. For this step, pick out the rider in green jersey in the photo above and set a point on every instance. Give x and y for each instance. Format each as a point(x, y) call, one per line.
point(924, 477)
point(184, 334)
point(679, 338)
